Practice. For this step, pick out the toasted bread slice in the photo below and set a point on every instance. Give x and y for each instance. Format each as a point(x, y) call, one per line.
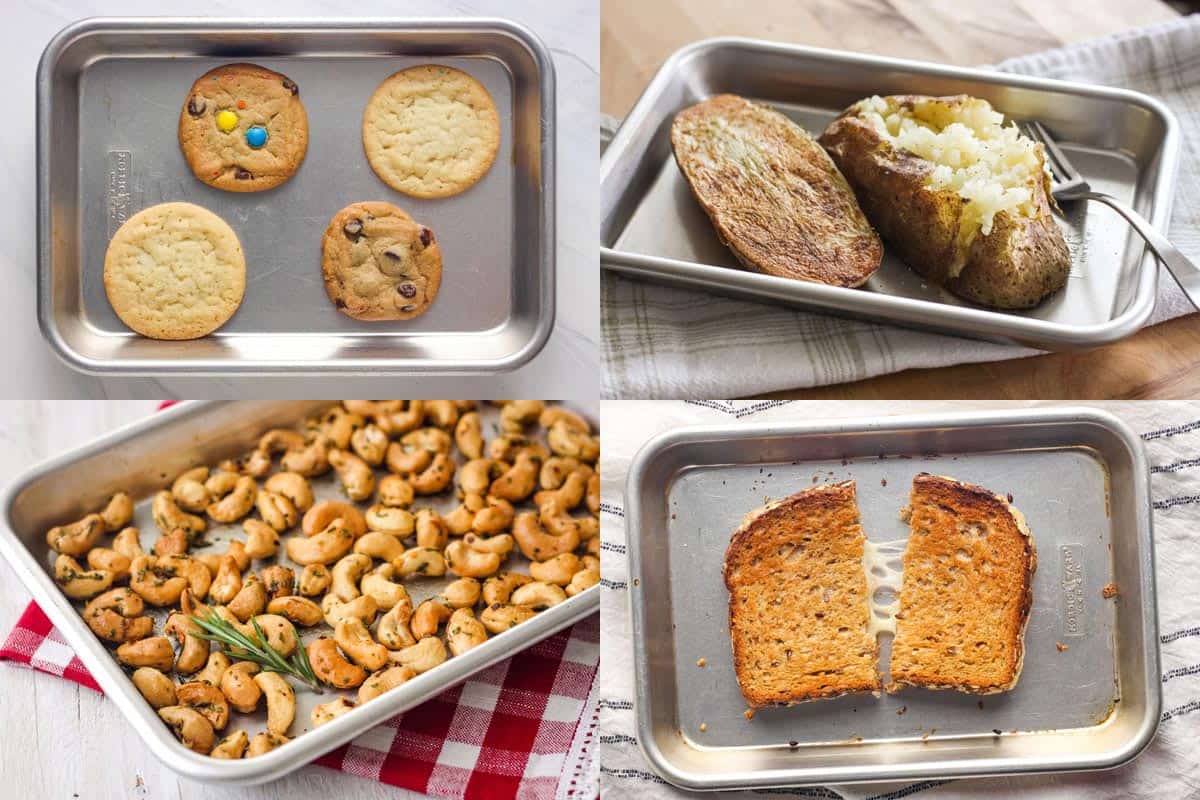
point(773, 194)
point(798, 604)
point(967, 590)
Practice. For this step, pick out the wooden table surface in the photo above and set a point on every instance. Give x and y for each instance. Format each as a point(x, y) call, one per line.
point(636, 36)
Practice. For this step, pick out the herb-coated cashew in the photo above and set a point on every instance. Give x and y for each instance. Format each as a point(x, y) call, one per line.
point(558, 570)
point(441, 413)
point(195, 572)
point(466, 562)
point(78, 583)
point(537, 543)
point(331, 667)
point(237, 551)
point(593, 546)
point(280, 440)
point(378, 544)
point(118, 512)
point(319, 516)
point(265, 742)
point(194, 651)
point(496, 516)
point(591, 562)
point(434, 478)
point(358, 480)
point(153, 651)
point(392, 631)
point(228, 581)
point(116, 616)
point(168, 516)
point(477, 475)
point(262, 541)
point(251, 600)
point(570, 493)
point(189, 491)
point(559, 522)
point(327, 712)
point(556, 414)
point(468, 435)
point(255, 464)
point(400, 416)
point(565, 439)
point(582, 580)
point(281, 633)
point(78, 537)
point(299, 610)
point(279, 581)
point(237, 503)
point(157, 688)
point(106, 558)
point(384, 680)
point(424, 561)
point(499, 588)
point(206, 699)
point(519, 481)
point(347, 572)
point(314, 580)
point(339, 425)
point(294, 487)
point(364, 608)
point(501, 544)
point(431, 528)
point(460, 520)
point(423, 656)
point(499, 617)
point(232, 746)
point(325, 547)
point(538, 595)
point(239, 688)
point(381, 585)
point(190, 727)
point(175, 543)
point(394, 491)
point(276, 510)
point(281, 701)
point(355, 641)
point(369, 443)
point(507, 447)
point(464, 631)
point(309, 461)
point(556, 469)
point(593, 493)
point(415, 450)
point(396, 521)
point(428, 617)
point(461, 593)
point(214, 668)
point(128, 543)
point(519, 413)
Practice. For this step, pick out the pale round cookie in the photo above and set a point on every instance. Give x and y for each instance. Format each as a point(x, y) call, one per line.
point(431, 131)
point(243, 128)
point(379, 264)
point(174, 271)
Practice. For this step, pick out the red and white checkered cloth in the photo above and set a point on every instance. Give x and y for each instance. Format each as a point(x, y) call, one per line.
point(517, 729)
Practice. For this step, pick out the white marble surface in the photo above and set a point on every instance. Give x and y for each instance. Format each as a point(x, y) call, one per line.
point(61, 740)
point(568, 368)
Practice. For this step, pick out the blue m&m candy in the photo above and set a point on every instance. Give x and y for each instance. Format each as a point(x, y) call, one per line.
point(256, 136)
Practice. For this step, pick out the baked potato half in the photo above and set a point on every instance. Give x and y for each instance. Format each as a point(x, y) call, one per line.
point(960, 198)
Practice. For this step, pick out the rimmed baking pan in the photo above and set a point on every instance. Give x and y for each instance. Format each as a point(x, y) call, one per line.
point(146, 456)
point(1081, 479)
point(108, 98)
point(1123, 142)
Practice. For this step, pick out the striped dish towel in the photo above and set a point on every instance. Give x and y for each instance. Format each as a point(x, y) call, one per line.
point(1168, 768)
point(664, 342)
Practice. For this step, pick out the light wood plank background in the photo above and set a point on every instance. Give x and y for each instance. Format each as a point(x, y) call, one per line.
point(636, 36)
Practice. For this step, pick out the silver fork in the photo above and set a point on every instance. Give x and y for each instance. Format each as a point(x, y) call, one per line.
point(1068, 185)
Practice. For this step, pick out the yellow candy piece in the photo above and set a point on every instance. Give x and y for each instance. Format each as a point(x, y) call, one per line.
point(227, 120)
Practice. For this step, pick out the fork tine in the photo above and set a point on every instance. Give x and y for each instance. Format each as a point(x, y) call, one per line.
point(1058, 160)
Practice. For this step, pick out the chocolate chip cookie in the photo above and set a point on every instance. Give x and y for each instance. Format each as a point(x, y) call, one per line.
point(379, 264)
point(431, 131)
point(243, 128)
point(174, 271)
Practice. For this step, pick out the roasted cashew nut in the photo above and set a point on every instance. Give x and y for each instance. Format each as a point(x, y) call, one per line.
point(309, 461)
point(384, 680)
point(593, 493)
point(347, 572)
point(538, 595)
point(325, 547)
point(566, 439)
point(237, 503)
point(276, 510)
point(496, 516)
point(477, 475)
point(519, 481)
point(190, 727)
point(378, 544)
point(364, 608)
point(570, 493)
point(239, 688)
point(331, 667)
point(281, 701)
point(118, 512)
point(507, 447)
point(517, 414)
point(583, 580)
point(468, 435)
point(293, 486)
point(558, 570)
point(396, 521)
point(460, 520)
point(214, 668)
point(194, 653)
point(537, 543)
point(153, 651)
point(168, 516)
point(116, 616)
point(397, 417)
point(175, 543)
point(281, 634)
point(278, 580)
point(265, 742)
point(298, 610)
point(428, 617)
point(392, 631)
point(370, 444)
point(109, 560)
point(157, 688)
point(327, 712)
point(467, 562)
point(254, 464)
point(423, 656)
point(416, 449)
point(394, 491)
point(314, 580)
point(157, 584)
point(441, 413)
point(339, 425)
point(319, 516)
point(228, 581)
point(424, 561)
point(499, 617)
point(78, 583)
point(262, 541)
point(462, 593)
point(499, 588)
point(237, 551)
point(78, 537)
point(434, 478)
point(556, 414)
point(189, 491)
point(358, 479)
point(556, 469)
point(232, 746)
point(464, 631)
point(207, 700)
point(431, 528)
point(380, 585)
point(501, 544)
point(355, 641)
point(251, 600)
point(128, 543)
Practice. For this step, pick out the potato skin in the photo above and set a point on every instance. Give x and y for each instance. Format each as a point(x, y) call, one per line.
point(1020, 263)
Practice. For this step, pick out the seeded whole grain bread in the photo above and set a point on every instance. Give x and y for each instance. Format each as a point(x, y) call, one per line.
point(774, 196)
point(798, 602)
point(967, 590)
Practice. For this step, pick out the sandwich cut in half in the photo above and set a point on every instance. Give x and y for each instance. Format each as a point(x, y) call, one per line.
point(967, 590)
point(798, 602)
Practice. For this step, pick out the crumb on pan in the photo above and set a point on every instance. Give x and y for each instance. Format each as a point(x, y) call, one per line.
point(1109, 591)
point(1062, 648)
point(748, 714)
point(703, 727)
point(700, 662)
point(901, 710)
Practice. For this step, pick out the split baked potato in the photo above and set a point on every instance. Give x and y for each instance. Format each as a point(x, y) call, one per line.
point(960, 198)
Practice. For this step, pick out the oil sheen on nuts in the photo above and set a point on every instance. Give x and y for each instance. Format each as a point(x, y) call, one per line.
point(196, 106)
point(352, 229)
point(291, 86)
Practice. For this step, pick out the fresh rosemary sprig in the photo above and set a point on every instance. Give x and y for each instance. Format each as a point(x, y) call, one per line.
point(216, 629)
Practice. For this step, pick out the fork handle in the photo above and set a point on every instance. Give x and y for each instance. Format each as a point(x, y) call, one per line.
point(1182, 268)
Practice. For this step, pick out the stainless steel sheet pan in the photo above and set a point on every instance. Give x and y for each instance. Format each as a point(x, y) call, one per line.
point(146, 456)
point(1124, 142)
point(1078, 475)
point(109, 93)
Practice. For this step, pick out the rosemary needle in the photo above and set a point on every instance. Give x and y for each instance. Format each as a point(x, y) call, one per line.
point(214, 628)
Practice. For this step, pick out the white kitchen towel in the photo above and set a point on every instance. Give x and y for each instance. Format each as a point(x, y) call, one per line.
point(664, 342)
point(1168, 768)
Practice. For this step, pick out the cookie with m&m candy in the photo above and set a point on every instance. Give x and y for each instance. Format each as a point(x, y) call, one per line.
point(243, 128)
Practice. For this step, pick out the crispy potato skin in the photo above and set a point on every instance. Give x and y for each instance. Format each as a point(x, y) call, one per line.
point(773, 195)
point(1020, 263)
